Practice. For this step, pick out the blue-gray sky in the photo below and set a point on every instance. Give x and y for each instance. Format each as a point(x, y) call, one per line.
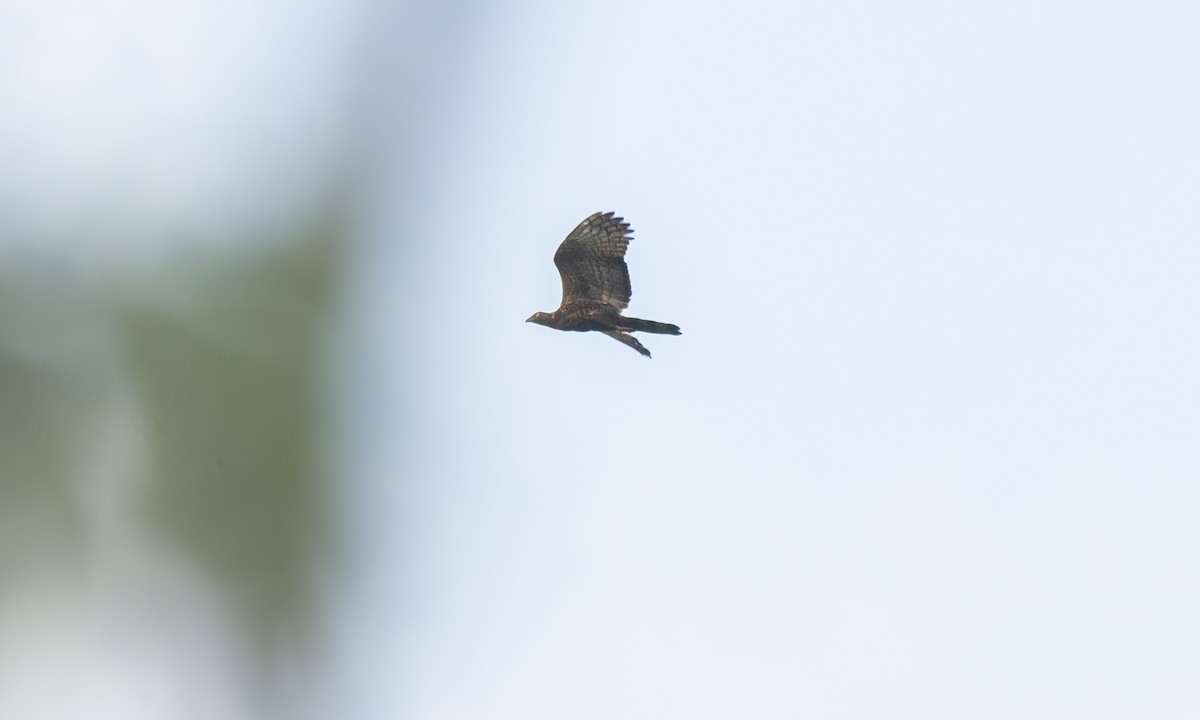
point(925, 449)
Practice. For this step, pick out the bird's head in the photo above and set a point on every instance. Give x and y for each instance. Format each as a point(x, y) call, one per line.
point(540, 318)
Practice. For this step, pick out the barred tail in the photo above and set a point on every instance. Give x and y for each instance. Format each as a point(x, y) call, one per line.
point(639, 325)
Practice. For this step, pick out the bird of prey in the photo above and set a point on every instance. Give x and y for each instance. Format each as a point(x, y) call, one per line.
point(595, 282)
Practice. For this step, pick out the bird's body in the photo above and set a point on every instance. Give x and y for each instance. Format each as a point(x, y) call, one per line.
point(595, 280)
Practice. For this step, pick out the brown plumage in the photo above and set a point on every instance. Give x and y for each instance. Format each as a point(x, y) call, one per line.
point(596, 285)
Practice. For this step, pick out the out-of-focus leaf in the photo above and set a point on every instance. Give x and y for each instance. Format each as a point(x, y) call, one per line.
point(226, 372)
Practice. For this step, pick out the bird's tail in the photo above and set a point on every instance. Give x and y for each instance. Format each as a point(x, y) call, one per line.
point(639, 325)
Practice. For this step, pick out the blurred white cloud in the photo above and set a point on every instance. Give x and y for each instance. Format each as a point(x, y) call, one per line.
point(148, 125)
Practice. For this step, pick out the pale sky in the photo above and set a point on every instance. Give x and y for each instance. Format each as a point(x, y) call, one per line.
point(927, 447)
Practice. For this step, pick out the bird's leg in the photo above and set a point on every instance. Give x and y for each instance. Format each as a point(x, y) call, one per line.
point(629, 340)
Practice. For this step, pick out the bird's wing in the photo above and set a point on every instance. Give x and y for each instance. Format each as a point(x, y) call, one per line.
point(591, 262)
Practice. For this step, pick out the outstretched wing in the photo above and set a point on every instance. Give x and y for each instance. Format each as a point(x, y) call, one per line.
point(591, 262)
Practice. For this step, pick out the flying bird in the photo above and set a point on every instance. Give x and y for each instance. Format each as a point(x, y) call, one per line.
point(595, 283)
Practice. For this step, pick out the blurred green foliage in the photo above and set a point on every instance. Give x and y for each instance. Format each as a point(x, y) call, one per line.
point(215, 364)
point(229, 382)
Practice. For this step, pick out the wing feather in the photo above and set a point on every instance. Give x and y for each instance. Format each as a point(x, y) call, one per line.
point(591, 262)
